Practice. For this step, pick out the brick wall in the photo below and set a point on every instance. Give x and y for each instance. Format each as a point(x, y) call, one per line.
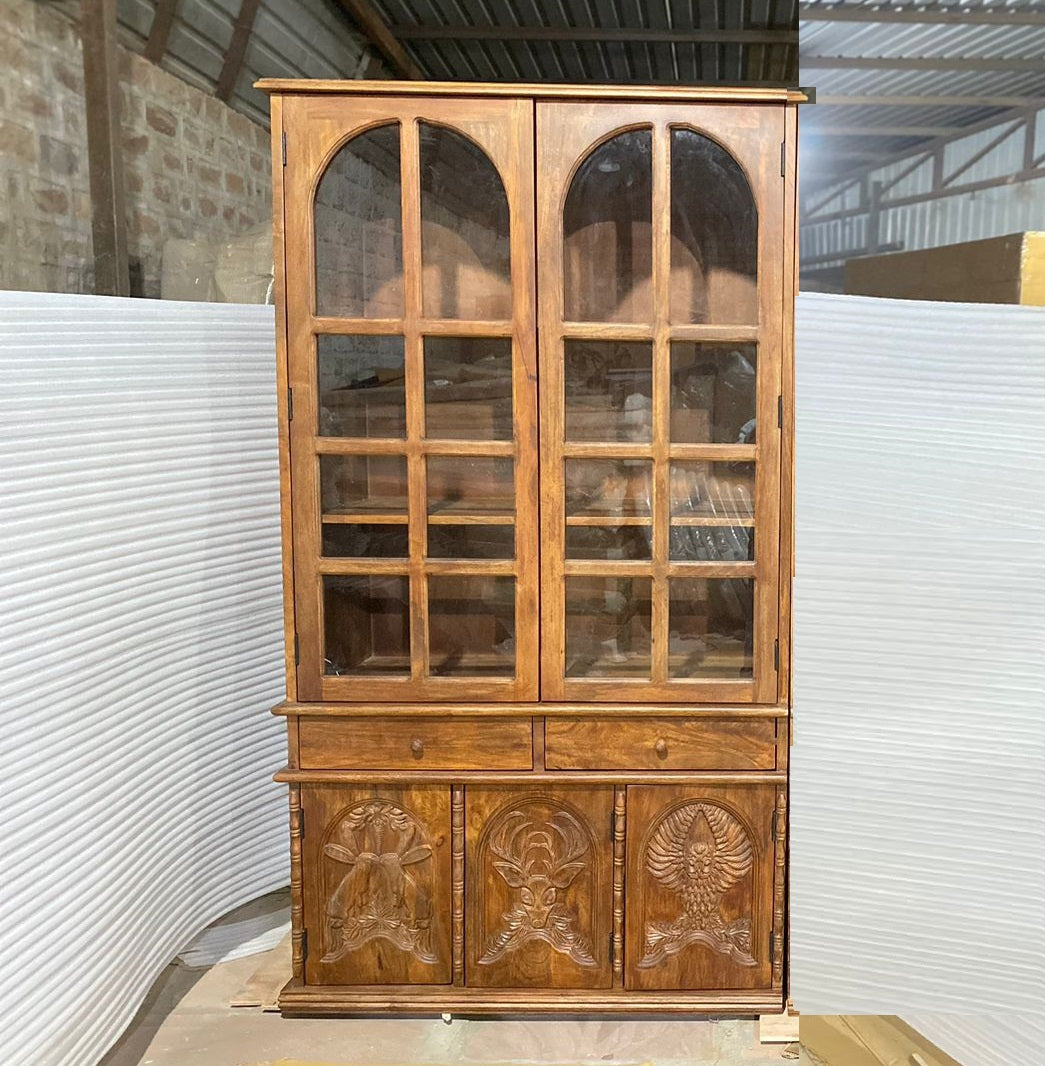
point(194, 167)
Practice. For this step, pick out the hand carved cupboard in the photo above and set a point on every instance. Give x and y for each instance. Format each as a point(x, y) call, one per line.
point(535, 408)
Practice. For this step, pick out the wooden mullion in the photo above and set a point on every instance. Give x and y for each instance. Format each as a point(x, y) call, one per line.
point(730, 453)
point(417, 493)
point(661, 509)
point(358, 446)
point(708, 333)
point(383, 327)
point(606, 450)
point(463, 327)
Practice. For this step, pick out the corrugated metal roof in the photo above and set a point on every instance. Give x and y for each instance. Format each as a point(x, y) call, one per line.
point(841, 137)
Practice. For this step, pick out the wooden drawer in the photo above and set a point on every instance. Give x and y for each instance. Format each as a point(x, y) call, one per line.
point(611, 743)
point(415, 743)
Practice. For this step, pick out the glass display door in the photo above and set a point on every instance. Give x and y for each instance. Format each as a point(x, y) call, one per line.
point(410, 292)
point(660, 236)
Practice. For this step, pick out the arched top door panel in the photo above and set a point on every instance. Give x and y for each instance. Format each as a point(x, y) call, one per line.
point(358, 226)
point(714, 234)
point(607, 232)
point(465, 245)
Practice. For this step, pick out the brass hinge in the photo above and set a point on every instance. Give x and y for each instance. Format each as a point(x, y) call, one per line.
point(283, 140)
point(304, 944)
point(776, 655)
point(290, 405)
point(783, 158)
point(297, 650)
point(772, 948)
point(780, 412)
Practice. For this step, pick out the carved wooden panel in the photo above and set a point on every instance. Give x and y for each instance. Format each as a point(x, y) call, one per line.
point(699, 899)
point(539, 884)
point(377, 885)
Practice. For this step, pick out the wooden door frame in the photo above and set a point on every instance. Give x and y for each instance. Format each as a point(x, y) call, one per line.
point(316, 128)
point(566, 134)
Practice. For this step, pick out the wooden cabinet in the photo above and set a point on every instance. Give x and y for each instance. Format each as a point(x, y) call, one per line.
point(535, 375)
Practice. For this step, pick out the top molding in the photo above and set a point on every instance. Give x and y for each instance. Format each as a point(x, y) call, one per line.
point(540, 90)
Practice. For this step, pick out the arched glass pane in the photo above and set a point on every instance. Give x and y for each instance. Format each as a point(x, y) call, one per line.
point(714, 234)
point(359, 229)
point(466, 272)
point(607, 233)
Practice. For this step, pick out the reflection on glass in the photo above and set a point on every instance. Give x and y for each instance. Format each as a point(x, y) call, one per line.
point(721, 491)
point(359, 229)
point(464, 229)
point(366, 624)
point(608, 487)
point(712, 393)
point(468, 388)
point(361, 386)
point(362, 540)
point(711, 544)
point(362, 484)
point(607, 231)
point(608, 390)
point(471, 626)
point(714, 234)
point(608, 542)
point(483, 541)
point(711, 626)
point(465, 484)
point(608, 626)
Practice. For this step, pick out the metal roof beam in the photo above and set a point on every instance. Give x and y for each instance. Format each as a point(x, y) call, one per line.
point(814, 128)
point(966, 16)
point(592, 33)
point(887, 100)
point(233, 62)
point(162, 21)
point(955, 63)
point(377, 32)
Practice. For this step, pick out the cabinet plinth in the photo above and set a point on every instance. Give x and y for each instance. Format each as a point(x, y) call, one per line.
point(535, 376)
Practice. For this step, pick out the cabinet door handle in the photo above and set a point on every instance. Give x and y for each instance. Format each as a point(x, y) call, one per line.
point(661, 748)
point(417, 746)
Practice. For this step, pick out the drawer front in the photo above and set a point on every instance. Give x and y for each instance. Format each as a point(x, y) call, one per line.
point(583, 743)
point(415, 743)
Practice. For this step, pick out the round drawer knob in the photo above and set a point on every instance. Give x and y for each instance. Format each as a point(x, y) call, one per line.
point(417, 746)
point(661, 748)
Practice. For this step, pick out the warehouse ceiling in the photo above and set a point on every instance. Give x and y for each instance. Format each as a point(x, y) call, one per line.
point(890, 78)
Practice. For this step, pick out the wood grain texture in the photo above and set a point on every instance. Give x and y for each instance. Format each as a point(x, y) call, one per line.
point(536, 90)
point(333, 999)
point(418, 744)
point(652, 743)
point(539, 893)
point(619, 829)
point(457, 873)
point(378, 885)
point(700, 887)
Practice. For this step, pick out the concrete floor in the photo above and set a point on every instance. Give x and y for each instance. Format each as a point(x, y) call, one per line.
point(187, 1021)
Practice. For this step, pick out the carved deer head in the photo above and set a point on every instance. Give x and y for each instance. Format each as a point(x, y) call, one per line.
point(540, 859)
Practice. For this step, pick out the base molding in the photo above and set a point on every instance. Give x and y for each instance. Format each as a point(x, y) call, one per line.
point(298, 999)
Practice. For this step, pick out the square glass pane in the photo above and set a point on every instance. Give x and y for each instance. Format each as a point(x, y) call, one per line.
point(468, 388)
point(714, 493)
point(366, 625)
point(608, 626)
point(608, 390)
point(363, 540)
point(471, 626)
point(713, 393)
point(474, 485)
point(362, 484)
point(711, 628)
point(472, 541)
point(608, 487)
point(609, 542)
point(361, 386)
